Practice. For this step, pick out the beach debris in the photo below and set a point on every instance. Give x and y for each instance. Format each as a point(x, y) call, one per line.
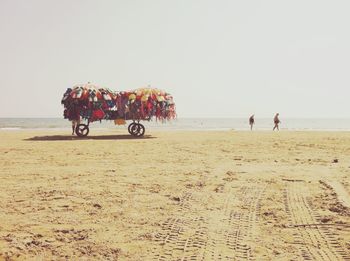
point(64, 231)
point(176, 199)
point(293, 180)
point(200, 184)
point(230, 173)
point(231, 176)
point(335, 160)
point(326, 219)
point(220, 188)
point(96, 205)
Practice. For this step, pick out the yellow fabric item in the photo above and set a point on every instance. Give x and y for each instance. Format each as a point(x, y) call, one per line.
point(160, 98)
point(119, 122)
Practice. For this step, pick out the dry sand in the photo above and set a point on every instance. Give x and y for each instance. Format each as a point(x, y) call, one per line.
point(175, 196)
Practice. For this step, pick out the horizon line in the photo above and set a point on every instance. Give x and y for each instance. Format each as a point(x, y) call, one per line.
point(200, 117)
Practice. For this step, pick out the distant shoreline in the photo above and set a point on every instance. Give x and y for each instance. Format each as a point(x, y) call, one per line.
point(186, 124)
point(158, 130)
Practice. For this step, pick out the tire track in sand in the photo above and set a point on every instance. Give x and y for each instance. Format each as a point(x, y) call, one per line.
point(220, 232)
point(182, 234)
point(233, 241)
point(315, 242)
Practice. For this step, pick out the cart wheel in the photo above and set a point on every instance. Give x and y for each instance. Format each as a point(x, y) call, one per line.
point(130, 127)
point(138, 130)
point(82, 130)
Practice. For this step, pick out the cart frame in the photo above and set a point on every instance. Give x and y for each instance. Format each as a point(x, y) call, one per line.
point(135, 128)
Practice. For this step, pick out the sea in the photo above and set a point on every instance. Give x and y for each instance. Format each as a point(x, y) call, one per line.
point(198, 124)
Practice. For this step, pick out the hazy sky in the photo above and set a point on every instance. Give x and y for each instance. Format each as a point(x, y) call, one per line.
point(218, 58)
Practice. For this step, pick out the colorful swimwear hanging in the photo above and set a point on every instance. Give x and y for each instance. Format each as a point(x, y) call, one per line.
point(95, 103)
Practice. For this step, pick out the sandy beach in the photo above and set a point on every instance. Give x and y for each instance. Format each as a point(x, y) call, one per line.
point(175, 195)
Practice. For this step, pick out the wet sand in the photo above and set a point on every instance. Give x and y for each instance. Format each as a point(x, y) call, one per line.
point(175, 196)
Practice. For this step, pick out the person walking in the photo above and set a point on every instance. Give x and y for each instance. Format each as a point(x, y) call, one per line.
point(251, 122)
point(277, 121)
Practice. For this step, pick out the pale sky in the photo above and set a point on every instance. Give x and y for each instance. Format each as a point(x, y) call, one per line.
point(218, 58)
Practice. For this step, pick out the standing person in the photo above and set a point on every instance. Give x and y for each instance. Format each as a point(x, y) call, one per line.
point(277, 121)
point(75, 124)
point(251, 122)
point(75, 118)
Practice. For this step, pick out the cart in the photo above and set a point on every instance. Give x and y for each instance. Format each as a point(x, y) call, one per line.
point(92, 103)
